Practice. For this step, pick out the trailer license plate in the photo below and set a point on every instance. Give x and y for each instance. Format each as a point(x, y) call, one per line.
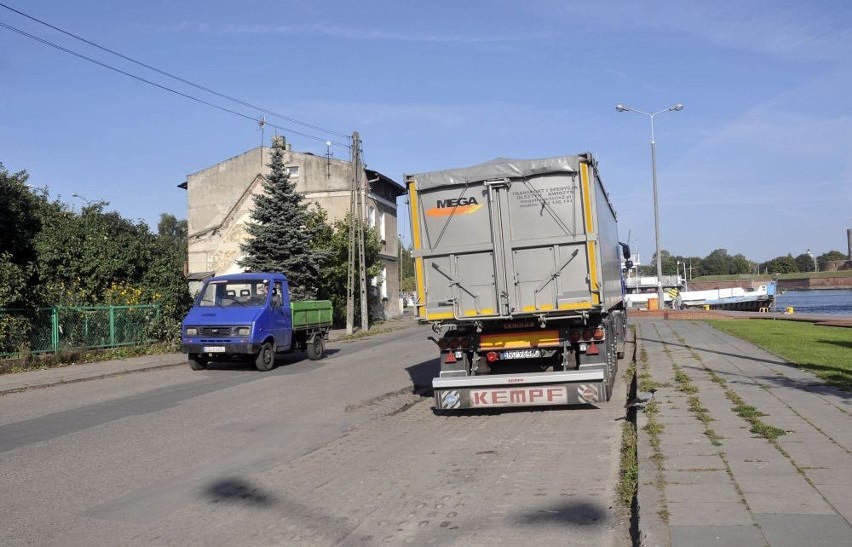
point(521, 354)
point(214, 349)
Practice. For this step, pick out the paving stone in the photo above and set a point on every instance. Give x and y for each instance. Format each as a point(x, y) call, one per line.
point(703, 512)
point(793, 530)
point(717, 536)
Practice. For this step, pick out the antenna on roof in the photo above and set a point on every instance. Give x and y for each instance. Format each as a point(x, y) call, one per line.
point(261, 125)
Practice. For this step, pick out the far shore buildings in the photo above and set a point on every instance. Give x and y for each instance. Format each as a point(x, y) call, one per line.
point(220, 200)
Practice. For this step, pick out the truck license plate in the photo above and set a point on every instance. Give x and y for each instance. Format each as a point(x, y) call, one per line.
point(521, 354)
point(214, 349)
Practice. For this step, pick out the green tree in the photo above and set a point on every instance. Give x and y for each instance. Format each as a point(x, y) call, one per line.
point(781, 265)
point(172, 234)
point(82, 256)
point(739, 264)
point(719, 262)
point(804, 263)
point(409, 283)
point(669, 263)
point(334, 241)
point(281, 238)
point(21, 223)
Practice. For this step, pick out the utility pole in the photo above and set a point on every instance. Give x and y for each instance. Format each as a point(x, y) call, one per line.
point(400, 296)
point(362, 265)
point(357, 208)
point(350, 280)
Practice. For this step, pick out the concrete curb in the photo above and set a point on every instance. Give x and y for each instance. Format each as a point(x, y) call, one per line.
point(653, 532)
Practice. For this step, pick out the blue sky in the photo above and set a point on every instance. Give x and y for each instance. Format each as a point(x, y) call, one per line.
point(759, 162)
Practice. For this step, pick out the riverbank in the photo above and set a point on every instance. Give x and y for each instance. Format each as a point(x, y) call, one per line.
point(785, 282)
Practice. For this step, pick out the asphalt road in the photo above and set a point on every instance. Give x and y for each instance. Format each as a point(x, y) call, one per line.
point(342, 451)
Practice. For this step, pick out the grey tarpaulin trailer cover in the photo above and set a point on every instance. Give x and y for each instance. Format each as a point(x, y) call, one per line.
point(515, 259)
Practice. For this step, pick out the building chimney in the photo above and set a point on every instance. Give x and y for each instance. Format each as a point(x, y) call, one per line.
point(279, 142)
point(849, 243)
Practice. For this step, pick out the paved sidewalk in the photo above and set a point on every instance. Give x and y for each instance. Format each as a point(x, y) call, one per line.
point(714, 482)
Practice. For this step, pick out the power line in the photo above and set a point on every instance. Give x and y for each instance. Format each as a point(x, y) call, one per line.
point(178, 78)
point(166, 88)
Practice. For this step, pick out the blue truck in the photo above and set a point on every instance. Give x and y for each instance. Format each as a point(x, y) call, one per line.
point(250, 315)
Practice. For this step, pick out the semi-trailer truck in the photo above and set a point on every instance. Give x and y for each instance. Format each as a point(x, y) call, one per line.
point(519, 270)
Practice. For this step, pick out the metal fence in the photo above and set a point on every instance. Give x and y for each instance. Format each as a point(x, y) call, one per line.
point(50, 330)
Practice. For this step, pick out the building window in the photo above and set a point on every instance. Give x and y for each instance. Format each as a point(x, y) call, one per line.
point(382, 225)
point(371, 216)
point(292, 171)
point(384, 282)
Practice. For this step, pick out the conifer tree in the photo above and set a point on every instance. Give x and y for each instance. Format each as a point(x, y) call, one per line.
point(280, 236)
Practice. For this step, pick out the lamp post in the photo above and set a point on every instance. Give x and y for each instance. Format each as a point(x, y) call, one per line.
point(810, 254)
point(88, 201)
point(674, 108)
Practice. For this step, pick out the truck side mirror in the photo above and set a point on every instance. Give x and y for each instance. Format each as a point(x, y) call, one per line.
point(628, 264)
point(625, 250)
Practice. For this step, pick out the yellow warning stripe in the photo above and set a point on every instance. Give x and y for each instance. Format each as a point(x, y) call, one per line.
point(520, 340)
point(417, 245)
point(590, 228)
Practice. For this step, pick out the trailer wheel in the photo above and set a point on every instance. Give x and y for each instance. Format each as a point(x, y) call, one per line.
point(265, 359)
point(315, 347)
point(196, 362)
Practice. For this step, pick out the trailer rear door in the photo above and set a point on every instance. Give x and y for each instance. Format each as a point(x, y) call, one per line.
point(516, 244)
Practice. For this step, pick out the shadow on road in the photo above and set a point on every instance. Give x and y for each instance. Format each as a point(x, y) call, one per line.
point(568, 514)
point(234, 490)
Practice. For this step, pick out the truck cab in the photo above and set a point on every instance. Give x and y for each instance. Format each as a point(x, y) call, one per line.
point(249, 315)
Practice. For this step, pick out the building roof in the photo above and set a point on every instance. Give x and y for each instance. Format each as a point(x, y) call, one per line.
point(398, 188)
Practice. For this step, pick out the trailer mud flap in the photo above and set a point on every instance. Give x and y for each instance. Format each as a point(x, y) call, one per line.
point(508, 393)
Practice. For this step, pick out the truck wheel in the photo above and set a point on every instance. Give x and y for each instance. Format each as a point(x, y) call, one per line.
point(196, 362)
point(316, 347)
point(265, 359)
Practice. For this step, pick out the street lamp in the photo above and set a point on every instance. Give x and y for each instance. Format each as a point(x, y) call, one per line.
point(674, 108)
point(88, 202)
point(810, 254)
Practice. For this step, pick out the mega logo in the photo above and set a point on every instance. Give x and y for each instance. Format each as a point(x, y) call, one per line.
point(455, 206)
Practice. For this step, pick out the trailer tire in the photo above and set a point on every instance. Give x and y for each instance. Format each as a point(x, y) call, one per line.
point(315, 347)
point(196, 362)
point(265, 358)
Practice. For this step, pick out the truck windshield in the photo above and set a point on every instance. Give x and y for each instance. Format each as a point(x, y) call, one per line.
point(239, 293)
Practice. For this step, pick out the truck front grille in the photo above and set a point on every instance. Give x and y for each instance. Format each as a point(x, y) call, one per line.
point(215, 331)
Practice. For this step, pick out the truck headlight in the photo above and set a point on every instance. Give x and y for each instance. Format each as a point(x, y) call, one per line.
point(191, 331)
point(243, 331)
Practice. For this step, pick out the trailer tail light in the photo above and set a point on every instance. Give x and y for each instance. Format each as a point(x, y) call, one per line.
point(587, 335)
point(443, 344)
point(576, 336)
point(454, 343)
point(491, 356)
point(598, 334)
point(465, 343)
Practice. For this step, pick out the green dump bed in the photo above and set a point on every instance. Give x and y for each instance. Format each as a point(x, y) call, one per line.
point(311, 314)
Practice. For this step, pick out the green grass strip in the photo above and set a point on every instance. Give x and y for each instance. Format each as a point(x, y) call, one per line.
point(826, 351)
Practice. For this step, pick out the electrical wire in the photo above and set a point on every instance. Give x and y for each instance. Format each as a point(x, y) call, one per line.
point(166, 88)
point(178, 78)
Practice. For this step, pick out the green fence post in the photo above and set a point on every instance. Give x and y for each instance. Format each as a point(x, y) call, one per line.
point(54, 328)
point(112, 326)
